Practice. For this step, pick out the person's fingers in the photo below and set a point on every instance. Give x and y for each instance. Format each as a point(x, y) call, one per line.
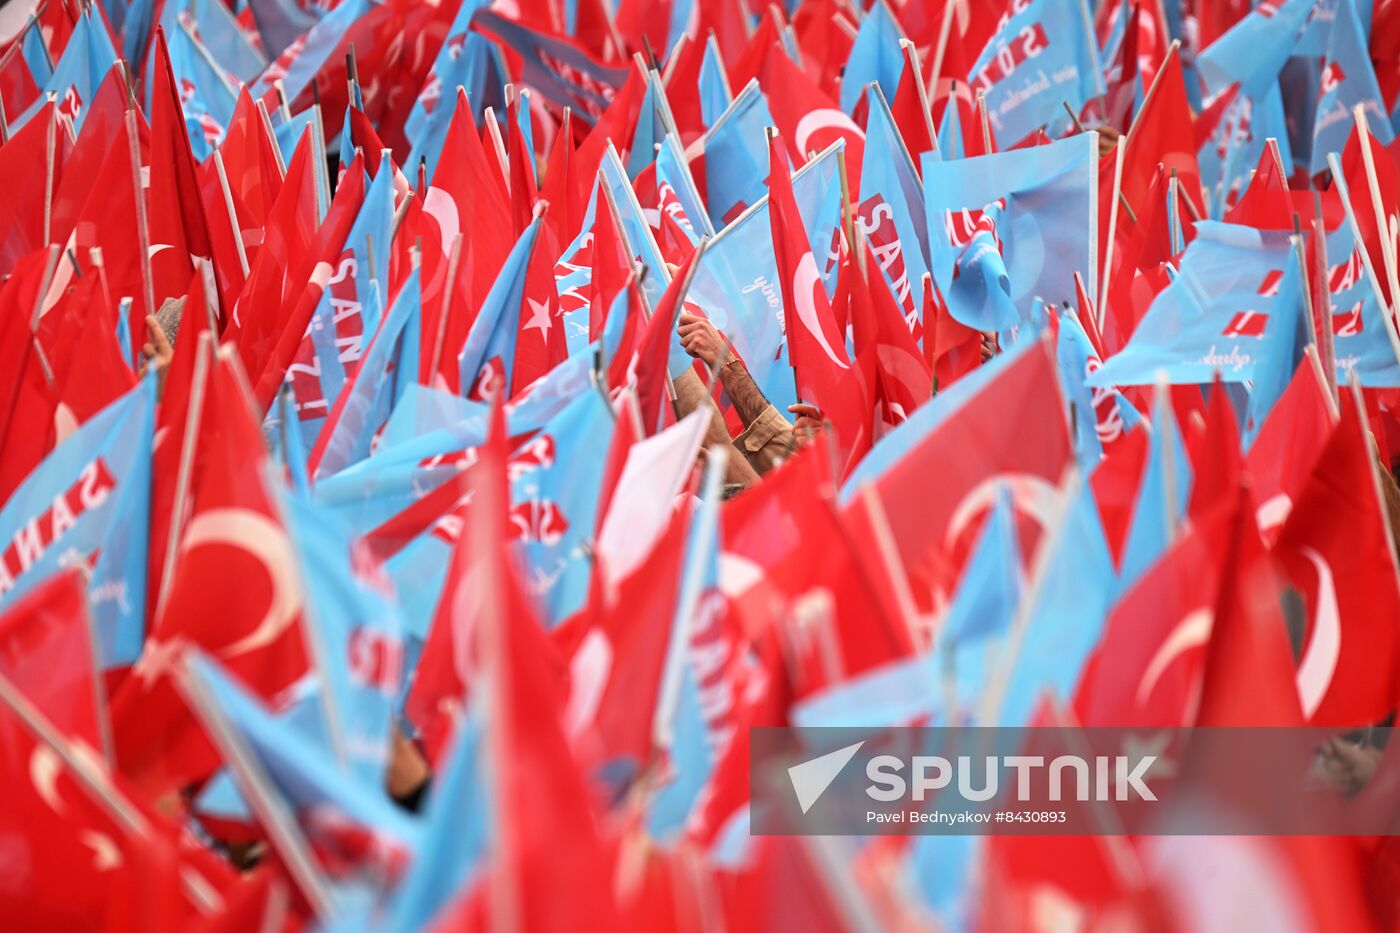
point(158, 338)
point(148, 350)
point(688, 318)
point(693, 328)
point(809, 411)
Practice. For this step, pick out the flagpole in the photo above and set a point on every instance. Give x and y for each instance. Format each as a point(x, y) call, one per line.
point(1162, 404)
point(49, 147)
point(1345, 195)
point(143, 230)
point(985, 119)
point(271, 138)
point(1102, 310)
point(994, 693)
point(183, 472)
point(1377, 205)
point(925, 107)
point(266, 802)
point(945, 29)
point(440, 339)
point(232, 212)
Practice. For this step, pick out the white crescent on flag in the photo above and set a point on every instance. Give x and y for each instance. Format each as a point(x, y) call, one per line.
point(823, 118)
point(266, 541)
point(1191, 632)
point(1319, 661)
point(1030, 495)
point(804, 282)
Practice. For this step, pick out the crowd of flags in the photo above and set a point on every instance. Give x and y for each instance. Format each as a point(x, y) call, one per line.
point(1097, 302)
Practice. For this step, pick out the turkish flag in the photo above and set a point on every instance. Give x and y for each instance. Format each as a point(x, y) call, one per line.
point(1337, 550)
point(826, 377)
point(234, 593)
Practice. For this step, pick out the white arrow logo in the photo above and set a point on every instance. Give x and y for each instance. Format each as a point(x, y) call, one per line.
point(810, 779)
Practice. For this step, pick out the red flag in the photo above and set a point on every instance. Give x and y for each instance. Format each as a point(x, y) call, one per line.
point(902, 381)
point(179, 231)
point(618, 667)
point(1336, 548)
point(1147, 667)
point(1283, 453)
point(911, 108)
point(1013, 429)
point(1249, 642)
point(951, 348)
point(37, 147)
point(1161, 134)
point(807, 118)
point(1216, 463)
point(251, 164)
point(46, 651)
point(549, 865)
point(1373, 227)
point(816, 346)
point(235, 593)
point(286, 237)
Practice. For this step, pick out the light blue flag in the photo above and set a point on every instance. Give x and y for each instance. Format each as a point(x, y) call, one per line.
point(489, 350)
point(1069, 605)
point(1253, 51)
point(206, 97)
point(36, 54)
point(281, 23)
point(980, 292)
point(633, 225)
point(456, 834)
point(875, 58)
point(573, 279)
point(1075, 358)
point(356, 635)
point(289, 132)
point(715, 96)
point(422, 410)
point(1348, 81)
point(650, 128)
point(315, 48)
point(673, 171)
point(77, 74)
point(1043, 56)
point(990, 587)
point(389, 366)
point(1231, 155)
point(90, 495)
point(1212, 317)
point(220, 33)
point(355, 487)
point(1287, 333)
point(685, 739)
point(1049, 200)
point(555, 480)
point(736, 283)
point(950, 135)
point(1162, 496)
point(474, 65)
point(891, 206)
point(1319, 26)
point(736, 156)
point(455, 65)
point(293, 779)
point(1362, 343)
